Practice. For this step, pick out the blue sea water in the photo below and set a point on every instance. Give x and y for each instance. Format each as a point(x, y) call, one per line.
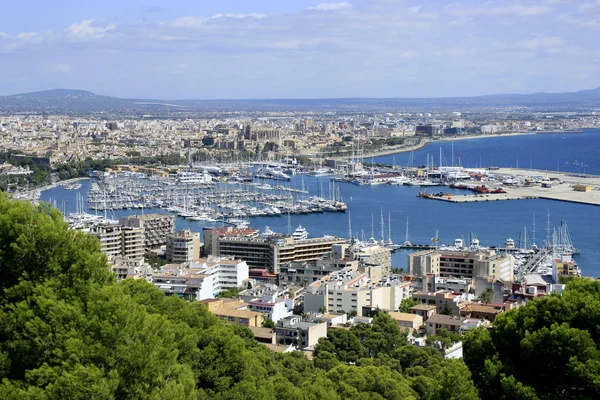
point(492, 222)
point(567, 151)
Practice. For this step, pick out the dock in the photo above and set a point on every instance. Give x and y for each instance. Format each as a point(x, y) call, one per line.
point(562, 188)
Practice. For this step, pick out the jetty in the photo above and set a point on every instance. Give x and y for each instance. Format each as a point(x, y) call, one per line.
point(532, 184)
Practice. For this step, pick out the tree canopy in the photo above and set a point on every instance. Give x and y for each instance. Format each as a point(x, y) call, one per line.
point(69, 330)
point(547, 349)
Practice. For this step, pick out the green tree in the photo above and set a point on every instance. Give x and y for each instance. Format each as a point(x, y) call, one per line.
point(487, 295)
point(443, 339)
point(268, 323)
point(547, 349)
point(446, 310)
point(231, 293)
point(406, 304)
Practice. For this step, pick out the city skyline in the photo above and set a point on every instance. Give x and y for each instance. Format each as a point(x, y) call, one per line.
point(308, 49)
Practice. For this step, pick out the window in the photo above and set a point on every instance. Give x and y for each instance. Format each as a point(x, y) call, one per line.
point(231, 319)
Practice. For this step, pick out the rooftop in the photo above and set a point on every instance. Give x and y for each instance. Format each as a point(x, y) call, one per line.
point(404, 317)
point(445, 320)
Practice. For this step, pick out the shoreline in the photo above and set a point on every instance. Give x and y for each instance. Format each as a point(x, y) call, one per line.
point(426, 141)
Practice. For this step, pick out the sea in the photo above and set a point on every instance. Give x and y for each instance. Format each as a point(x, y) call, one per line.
point(420, 220)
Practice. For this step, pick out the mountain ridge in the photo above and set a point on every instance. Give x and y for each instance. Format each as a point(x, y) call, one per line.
point(79, 100)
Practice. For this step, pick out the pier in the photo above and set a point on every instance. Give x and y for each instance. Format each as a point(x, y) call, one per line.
point(559, 186)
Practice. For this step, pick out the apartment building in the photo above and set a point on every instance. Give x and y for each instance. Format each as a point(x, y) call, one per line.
point(201, 279)
point(304, 273)
point(110, 238)
point(443, 300)
point(462, 263)
point(211, 236)
point(183, 246)
point(118, 241)
point(125, 268)
point(272, 252)
point(293, 331)
point(352, 290)
point(408, 321)
point(132, 242)
point(234, 312)
point(156, 227)
point(273, 307)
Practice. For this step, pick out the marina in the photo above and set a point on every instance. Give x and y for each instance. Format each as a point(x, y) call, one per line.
point(494, 221)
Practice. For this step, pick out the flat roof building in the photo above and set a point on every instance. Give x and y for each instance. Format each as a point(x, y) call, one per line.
point(183, 246)
point(272, 252)
point(156, 227)
point(462, 263)
point(201, 279)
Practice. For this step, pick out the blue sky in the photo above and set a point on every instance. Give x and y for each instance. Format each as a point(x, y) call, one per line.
point(300, 48)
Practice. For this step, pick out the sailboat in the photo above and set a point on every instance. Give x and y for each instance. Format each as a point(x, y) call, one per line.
point(406, 241)
point(389, 243)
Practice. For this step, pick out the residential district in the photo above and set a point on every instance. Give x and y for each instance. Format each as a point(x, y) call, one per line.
point(54, 139)
point(291, 289)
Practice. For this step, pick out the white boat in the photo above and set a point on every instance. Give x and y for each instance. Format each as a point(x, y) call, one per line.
point(267, 232)
point(300, 233)
point(400, 180)
point(193, 177)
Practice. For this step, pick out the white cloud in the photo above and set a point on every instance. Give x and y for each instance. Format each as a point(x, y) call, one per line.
point(87, 30)
point(289, 44)
point(330, 6)
point(187, 22)
point(502, 9)
point(26, 35)
point(61, 68)
point(253, 54)
point(542, 42)
point(239, 16)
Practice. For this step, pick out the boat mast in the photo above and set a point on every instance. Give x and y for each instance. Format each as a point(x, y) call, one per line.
point(382, 228)
point(390, 227)
point(533, 230)
point(406, 241)
point(548, 231)
point(372, 227)
point(349, 226)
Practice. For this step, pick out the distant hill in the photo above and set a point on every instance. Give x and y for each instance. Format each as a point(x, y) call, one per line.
point(66, 100)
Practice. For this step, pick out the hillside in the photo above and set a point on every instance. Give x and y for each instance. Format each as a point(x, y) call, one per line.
point(65, 100)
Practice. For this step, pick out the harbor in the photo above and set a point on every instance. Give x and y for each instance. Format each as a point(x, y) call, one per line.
point(523, 184)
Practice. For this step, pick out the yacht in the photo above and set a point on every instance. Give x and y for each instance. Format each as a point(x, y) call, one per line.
point(193, 177)
point(399, 180)
point(300, 233)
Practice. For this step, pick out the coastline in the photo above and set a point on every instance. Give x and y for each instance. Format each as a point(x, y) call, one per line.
point(426, 141)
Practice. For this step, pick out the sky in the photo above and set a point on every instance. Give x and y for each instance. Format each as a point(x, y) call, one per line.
point(241, 49)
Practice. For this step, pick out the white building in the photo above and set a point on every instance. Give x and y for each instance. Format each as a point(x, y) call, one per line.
point(347, 290)
point(201, 279)
point(274, 308)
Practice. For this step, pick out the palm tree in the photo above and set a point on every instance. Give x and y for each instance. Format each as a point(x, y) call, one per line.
point(487, 295)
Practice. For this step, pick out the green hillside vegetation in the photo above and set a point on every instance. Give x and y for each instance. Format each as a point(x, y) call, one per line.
point(68, 330)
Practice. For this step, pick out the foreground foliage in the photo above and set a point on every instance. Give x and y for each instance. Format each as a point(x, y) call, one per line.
point(546, 350)
point(68, 330)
